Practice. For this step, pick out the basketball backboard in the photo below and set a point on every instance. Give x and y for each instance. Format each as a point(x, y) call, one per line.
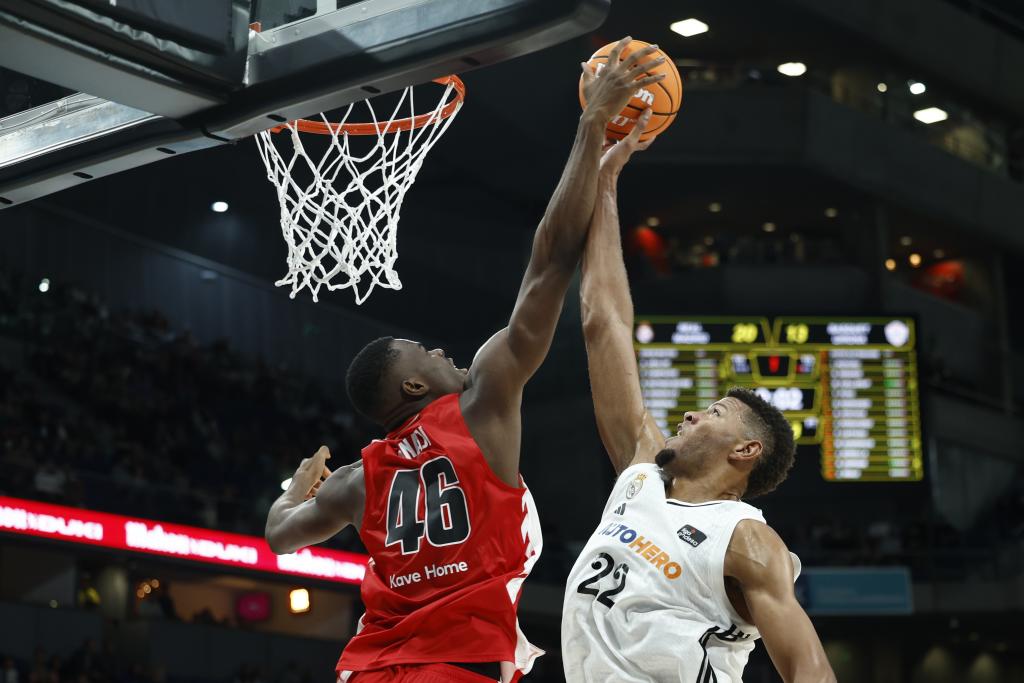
point(152, 80)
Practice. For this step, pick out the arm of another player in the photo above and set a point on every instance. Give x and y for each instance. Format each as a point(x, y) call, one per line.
point(759, 560)
point(317, 505)
point(629, 433)
point(502, 367)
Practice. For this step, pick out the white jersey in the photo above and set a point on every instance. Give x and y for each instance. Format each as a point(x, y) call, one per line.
point(646, 599)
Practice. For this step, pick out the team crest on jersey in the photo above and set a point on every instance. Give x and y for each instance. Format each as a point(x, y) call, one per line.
point(635, 485)
point(690, 535)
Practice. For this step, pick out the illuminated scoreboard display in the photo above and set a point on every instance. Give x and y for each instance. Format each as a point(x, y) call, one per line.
point(847, 385)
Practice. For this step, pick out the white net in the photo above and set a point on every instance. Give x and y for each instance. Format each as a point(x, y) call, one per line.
point(340, 210)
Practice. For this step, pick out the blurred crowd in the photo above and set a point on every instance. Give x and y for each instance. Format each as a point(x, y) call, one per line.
point(93, 662)
point(118, 412)
point(676, 248)
point(932, 548)
point(90, 663)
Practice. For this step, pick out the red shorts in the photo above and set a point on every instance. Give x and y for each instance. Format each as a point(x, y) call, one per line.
point(419, 673)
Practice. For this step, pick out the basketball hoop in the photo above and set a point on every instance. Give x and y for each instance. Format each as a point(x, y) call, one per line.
point(340, 218)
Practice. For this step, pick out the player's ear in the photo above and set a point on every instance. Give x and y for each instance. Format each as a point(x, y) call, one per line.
point(747, 451)
point(414, 388)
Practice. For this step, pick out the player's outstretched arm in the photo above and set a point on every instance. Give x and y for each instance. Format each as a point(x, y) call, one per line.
point(759, 560)
point(629, 433)
point(317, 505)
point(505, 363)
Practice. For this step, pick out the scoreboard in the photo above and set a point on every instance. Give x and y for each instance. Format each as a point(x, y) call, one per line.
point(848, 385)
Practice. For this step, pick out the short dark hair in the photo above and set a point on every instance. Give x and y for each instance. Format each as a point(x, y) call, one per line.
point(778, 447)
point(365, 372)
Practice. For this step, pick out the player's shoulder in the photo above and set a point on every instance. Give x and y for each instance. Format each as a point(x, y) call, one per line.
point(748, 514)
point(440, 415)
point(752, 533)
point(645, 468)
point(445, 412)
point(633, 479)
point(756, 548)
point(442, 408)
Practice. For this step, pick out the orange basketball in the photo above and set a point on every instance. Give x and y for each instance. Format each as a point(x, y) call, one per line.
point(664, 97)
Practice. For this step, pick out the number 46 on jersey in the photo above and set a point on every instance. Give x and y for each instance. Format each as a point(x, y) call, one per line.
point(427, 502)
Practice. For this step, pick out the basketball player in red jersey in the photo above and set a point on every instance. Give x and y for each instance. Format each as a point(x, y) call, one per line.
point(439, 502)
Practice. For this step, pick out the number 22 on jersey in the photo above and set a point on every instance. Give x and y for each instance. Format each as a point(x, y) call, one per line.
point(443, 516)
point(604, 564)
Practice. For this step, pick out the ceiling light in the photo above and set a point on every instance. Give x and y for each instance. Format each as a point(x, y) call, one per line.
point(793, 69)
point(769, 227)
point(219, 207)
point(882, 87)
point(915, 260)
point(286, 483)
point(653, 221)
point(689, 27)
point(298, 600)
point(44, 285)
point(831, 212)
point(714, 207)
point(890, 264)
point(916, 87)
point(931, 115)
point(906, 241)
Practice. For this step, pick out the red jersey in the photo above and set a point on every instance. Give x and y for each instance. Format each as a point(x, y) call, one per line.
point(450, 546)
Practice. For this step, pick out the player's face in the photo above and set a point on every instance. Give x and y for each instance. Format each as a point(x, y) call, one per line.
point(432, 367)
point(703, 435)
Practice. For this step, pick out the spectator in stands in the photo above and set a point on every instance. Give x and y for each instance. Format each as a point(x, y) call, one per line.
point(290, 674)
point(9, 672)
point(50, 481)
point(39, 671)
point(84, 661)
point(88, 597)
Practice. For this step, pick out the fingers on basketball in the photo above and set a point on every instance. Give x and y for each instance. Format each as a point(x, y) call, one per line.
point(588, 74)
point(658, 86)
point(633, 138)
point(642, 123)
point(634, 58)
point(615, 53)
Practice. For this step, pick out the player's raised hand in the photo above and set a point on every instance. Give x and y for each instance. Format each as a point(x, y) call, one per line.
point(607, 90)
point(616, 154)
point(311, 472)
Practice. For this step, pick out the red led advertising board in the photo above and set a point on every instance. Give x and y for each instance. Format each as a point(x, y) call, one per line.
point(205, 546)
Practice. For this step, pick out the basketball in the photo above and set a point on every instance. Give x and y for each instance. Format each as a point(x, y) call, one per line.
point(664, 97)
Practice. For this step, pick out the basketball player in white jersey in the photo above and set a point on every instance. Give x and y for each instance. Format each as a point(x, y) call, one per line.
point(680, 577)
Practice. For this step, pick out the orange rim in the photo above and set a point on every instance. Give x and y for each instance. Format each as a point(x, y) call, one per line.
point(396, 126)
